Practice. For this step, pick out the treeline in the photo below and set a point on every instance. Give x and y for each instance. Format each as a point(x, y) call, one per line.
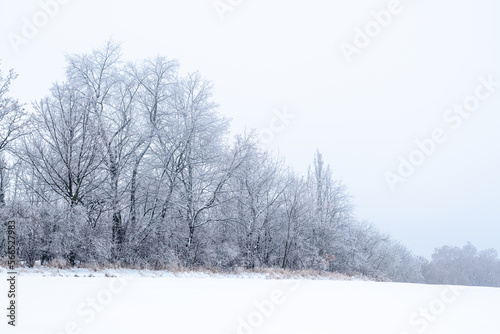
point(131, 164)
point(463, 266)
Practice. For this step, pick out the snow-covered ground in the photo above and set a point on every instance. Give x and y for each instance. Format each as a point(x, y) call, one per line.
point(149, 302)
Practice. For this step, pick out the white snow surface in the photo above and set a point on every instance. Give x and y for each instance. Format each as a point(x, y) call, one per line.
point(70, 302)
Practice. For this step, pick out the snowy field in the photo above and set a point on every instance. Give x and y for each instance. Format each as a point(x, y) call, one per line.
point(138, 302)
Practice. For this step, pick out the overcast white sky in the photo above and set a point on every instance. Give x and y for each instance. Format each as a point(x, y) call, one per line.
point(361, 115)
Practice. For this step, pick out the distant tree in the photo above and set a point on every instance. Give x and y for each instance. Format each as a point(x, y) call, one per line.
point(463, 266)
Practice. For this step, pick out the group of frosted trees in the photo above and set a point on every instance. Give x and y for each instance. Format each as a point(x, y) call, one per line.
point(131, 164)
point(464, 266)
